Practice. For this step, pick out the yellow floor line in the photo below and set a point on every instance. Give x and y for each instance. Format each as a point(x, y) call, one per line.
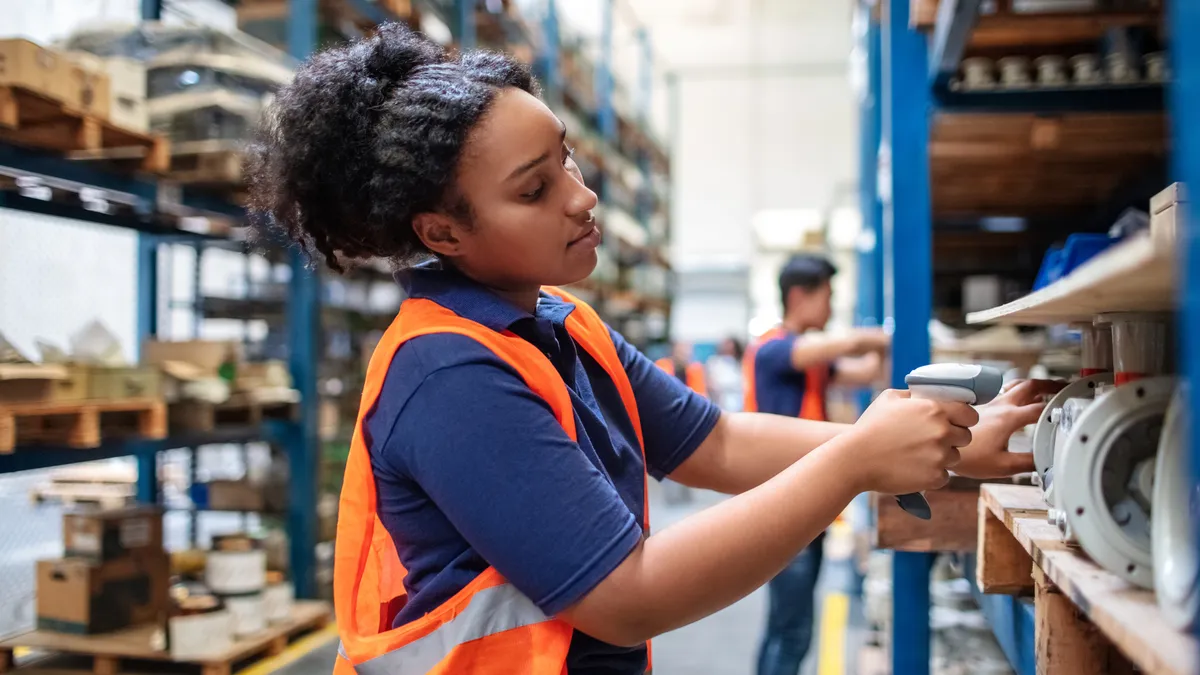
point(835, 612)
point(295, 651)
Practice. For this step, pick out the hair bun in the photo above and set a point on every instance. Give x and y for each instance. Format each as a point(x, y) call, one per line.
point(399, 51)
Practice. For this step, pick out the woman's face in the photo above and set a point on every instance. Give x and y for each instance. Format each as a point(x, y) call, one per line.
point(531, 221)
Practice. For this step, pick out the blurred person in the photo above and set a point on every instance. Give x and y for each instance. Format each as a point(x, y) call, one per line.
point(492, 513)
point(681, 364)
point(725, 375)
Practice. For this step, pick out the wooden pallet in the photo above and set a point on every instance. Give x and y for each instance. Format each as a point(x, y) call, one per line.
point(114, 652)
point(1087, 620)
point(952, 527)
point(80, 424)
point(239, 410)
point(32, 119)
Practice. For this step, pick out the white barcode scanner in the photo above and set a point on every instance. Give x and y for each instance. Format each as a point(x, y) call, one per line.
point(962, 382)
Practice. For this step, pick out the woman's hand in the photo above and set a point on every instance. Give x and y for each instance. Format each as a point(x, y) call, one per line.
point(1020, 404)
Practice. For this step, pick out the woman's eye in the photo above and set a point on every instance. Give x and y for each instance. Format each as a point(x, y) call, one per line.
point(570, 153)
point(532, 195)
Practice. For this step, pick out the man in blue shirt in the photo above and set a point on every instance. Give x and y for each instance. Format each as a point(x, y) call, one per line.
point(788, 372)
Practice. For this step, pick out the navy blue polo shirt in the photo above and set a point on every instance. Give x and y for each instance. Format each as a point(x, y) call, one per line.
point(472, 468)
point(778, 387)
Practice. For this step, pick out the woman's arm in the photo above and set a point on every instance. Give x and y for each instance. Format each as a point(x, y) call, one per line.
point(745, 450)
point(712, 559)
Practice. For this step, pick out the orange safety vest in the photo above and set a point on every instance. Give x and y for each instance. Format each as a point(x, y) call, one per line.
point(812, 406)
point(489, 627)
point(694, 374)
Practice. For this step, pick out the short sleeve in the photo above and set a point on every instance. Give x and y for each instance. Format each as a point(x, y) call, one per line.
point(492, 457)
point(775, 356)
point(675, 419)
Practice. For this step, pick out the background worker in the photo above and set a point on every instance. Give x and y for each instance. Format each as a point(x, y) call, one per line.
point(725, 375)
point(493, 506)
point(682, 365)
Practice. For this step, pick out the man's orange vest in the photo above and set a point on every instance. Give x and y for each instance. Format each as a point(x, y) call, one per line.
point(694, 374)
point(816, 380)
point(489, 627)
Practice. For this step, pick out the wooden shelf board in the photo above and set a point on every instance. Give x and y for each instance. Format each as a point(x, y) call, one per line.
point(1021, 164)
point(134, 643)
point(1128, 616)
point(1133, 276)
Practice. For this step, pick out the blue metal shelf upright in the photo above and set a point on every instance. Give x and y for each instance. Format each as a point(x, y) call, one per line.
point(914, 82)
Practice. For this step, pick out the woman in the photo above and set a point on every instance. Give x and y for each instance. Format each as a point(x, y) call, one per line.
point(492, 518)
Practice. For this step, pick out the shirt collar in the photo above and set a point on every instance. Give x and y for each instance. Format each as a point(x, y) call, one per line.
point(471, 300)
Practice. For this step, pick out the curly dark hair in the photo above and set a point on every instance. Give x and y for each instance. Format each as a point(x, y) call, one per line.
point(367, 136)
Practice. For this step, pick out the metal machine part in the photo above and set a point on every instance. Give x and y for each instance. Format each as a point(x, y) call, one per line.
point(963, 382)
point(1102, 475)
point(1047, 426)
point(1176, 506)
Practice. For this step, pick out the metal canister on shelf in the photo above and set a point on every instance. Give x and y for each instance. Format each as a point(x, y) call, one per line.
point(249, 613)
point(236, 572)
point(1085, 69)
point(1156, 66)
point(1051, 70)
point(1120, 68)
point(1014, 72)
point(1139, 345)
point(1096, 349)
point(978, 73)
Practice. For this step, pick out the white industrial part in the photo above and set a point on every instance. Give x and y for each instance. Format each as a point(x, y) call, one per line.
point(1101, 481)
point(1047, 427)
point(249, 613)
point(278, 599)
point(235, 572)
point(1175, 507)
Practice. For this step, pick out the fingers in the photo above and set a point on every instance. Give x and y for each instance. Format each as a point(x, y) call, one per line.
point(1019, 462)
point(960, 414)
point(1026, 414)
point(958, 437)
point(1028, 391)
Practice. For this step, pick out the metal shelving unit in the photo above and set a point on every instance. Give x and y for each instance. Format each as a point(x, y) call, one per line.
point(913, 83)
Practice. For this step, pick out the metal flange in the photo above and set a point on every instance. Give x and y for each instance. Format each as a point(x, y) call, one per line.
point(1099, 481)
point(1044, 430)
point(1176, 506)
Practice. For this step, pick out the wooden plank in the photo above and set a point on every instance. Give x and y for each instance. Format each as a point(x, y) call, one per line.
point(1135, 275)
point(134, 643)
point(1127, 615)
point(1002, 565)
point(952, 528)
point(1048, 29)
point(1066, 642)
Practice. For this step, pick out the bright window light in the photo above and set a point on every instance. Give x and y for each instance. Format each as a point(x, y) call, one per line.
point(784, 229)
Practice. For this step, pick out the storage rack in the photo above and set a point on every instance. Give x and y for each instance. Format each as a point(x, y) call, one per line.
point(153, 209)
point(908, 82)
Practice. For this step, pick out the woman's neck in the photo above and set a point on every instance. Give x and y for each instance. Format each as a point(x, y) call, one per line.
point(525, 299)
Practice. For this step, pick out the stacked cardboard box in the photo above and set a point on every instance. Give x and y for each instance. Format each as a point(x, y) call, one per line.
point(115, 573)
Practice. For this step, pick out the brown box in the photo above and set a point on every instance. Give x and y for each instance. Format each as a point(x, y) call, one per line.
point(126, 88)
point(209, 355)
point(105, 535)
point(262, 375)
point(30, 66)
point(29, 382)
point(94, 90)
point(125, 382)
point(229, 495)
point(82, 596)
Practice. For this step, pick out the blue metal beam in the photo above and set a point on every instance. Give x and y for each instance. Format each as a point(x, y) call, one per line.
point(147, 327)
point(151, 10)
point(606, 115)
point(550, 55)
point(464, 24)
point(1183, 20)
point(372, 11)
point(908, 285)
point(1011, 619)
point(41, 457)
point(955, 21)
point(302, 28)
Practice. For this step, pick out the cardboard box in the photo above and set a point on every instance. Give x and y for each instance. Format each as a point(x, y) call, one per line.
point(126, 100)
point(1167, 209)
point(94, 90)
point(208, 355)
point(127, 382)
point(29, 382)
point(83, 596)
point(106, 535)
point(262, 375)
point(229, 495)
point(30, 66)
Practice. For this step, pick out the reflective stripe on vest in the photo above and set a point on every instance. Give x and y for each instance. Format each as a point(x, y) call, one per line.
point(491, 611)
point(489, 627)
point(816, 380)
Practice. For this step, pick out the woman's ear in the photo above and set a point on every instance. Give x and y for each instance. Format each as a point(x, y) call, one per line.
point(439, 233)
